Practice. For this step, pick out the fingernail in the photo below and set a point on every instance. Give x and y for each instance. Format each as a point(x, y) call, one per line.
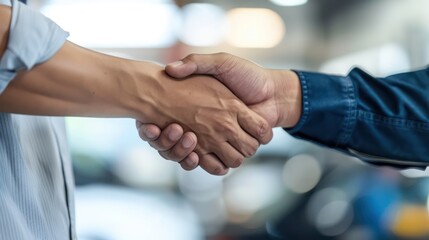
point(187, 142)
point(173, 135)
point(148, 133)
point(176, 64)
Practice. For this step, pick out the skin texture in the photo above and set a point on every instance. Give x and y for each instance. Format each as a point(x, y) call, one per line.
point(214, 127)
point(274, 94)
point(5, 15)
point(80, 82)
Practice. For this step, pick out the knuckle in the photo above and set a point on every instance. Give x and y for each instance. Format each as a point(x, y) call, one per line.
point(188, 141)
point(179, 154)
point(252, 149)
point(160, 145)
point(222, 54)
point(203, 147)
point(138, 124)
point(176, 128)
point(269, 137)
point(189, 163)
point(191, 56)
point(143, 136)
point(218, 170)
point(153, 145)
point(229, 128)
point(263, 128)
point(165, 142)
point(235, 104)
point(186, 166)
point(169, 155)
point(237, 162)
point(163, 155)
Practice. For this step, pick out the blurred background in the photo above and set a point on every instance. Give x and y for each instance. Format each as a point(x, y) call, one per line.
point(290, 189)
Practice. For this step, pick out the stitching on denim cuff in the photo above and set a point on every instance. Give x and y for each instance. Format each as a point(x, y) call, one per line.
point(349, 122)
point(306, 107)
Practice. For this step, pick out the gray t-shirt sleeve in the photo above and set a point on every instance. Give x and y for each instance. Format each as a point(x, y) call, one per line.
point(33, 39)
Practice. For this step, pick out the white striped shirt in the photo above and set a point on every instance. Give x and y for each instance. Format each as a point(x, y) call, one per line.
point(36, 179)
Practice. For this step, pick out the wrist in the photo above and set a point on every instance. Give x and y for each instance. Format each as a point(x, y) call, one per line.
point(142, 90)
point(288, 97)
point(125, 88)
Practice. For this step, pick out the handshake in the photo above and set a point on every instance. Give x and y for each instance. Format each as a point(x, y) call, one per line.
point(211, 111)
point(227, 109)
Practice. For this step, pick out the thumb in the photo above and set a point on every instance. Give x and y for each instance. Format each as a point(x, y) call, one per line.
point(208, 64)
point(181, 69)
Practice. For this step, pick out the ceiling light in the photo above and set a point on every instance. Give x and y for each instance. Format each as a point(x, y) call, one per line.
point(203, 24)
point(116, 24)
point(289, 2)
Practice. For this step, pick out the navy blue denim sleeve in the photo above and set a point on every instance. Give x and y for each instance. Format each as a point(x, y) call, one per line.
point(384, 121)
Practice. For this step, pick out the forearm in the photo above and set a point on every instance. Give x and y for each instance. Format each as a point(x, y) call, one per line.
point(42, 74)
point(79, 82)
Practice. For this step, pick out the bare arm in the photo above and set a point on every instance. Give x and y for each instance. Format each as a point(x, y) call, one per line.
point(77, 82)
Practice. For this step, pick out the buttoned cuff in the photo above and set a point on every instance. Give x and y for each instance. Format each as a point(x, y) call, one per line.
point(328, 109)
point(33, 39)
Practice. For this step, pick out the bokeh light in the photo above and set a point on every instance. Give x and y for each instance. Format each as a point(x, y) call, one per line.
point(289, 2)
point(261, 190)
point(330, 211)
point(301, 173)
point(254, 28)
point(117, 24)
point(203, 24)
point(126, 191)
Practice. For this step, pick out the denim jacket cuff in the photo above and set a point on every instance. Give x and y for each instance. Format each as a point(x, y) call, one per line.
point(328, 109)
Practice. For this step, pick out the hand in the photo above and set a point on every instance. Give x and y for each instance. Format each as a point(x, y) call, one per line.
point(274, 94)
point(217, 117)
point(171, 143)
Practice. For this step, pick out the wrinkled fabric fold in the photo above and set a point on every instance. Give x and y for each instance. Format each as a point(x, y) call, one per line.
point(33, 39)
point(387, 118)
